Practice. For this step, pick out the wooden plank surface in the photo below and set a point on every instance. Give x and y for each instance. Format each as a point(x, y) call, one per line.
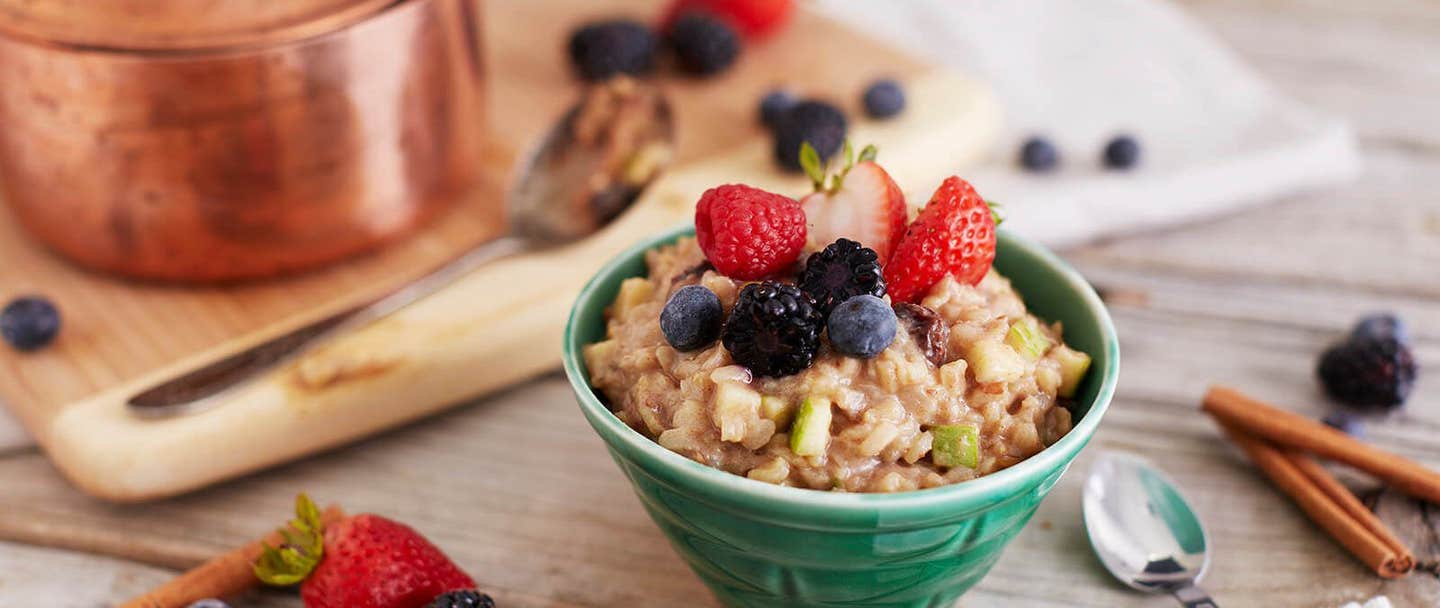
point(1246, 300)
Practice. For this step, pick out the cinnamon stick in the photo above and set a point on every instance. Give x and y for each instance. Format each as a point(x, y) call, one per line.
point(1300, 433)
point(1329, 504)
point(223, 576)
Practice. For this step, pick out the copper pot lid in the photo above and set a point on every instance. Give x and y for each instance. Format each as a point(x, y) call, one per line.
point(178, 25)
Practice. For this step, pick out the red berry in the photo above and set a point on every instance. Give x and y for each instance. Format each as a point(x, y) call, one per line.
point(868, 208)
point(954, 235)
point(373, 562)
point(753, 18)
point(748, 233)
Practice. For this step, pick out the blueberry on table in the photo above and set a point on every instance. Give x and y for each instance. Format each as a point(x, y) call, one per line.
point(884, 98)
point(29, 323)
point(692, 318)
point(1368, 373)
point(773, 107)
point(1380, 326)
point(1122, 152)
point(862, 326)
point(602, 49)
point(1038, 154)
point(464, 598)
point(1344, 422)
point(821, 124)
point(774, 329)
point(703, 45)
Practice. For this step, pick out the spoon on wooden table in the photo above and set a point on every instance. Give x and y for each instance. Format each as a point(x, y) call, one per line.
point(1143, 530)
point(595, 162)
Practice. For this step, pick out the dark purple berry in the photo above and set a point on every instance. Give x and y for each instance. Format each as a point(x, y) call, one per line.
point(1368, 373)
point(1122, 152)
point(1347, 423)
point(884, 98)
point(819, 123)
point(843, 270)
point(466, 598)
point(774, 329)
point(692, 318)
point(603, 49)
point(862, 326)
point(29, 323)
point(703, 45)
point(1381, 326)
point(1038, 154)
point(773, 107)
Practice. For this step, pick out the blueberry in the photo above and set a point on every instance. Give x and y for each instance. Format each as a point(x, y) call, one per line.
point(821, 124)
point(862, 326)
point(208, 603)
point(692, 318)
point(1349, 424)
point(773, 107)
point(1381, 325)
point(29, 323)
point(1038, 154)
point(1122, 152)
point(884, 98)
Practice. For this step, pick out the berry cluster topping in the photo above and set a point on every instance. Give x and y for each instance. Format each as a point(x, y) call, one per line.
point(692, 318)
point(774, 329)
point(613, 47)
point(748, 233)
point(841, 271)
point(1371, 370)
point(29, 323)
point(703, 45)
point(953, 235)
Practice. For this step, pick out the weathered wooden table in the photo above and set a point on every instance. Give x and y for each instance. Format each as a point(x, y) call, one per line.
point(1246, 300)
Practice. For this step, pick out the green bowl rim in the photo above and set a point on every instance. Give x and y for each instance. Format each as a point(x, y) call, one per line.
point(1049, 459)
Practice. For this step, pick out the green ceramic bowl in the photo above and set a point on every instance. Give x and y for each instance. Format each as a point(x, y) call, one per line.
point(761, 545)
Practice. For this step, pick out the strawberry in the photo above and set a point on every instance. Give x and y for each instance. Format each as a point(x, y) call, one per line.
point(754, 19)
point(364, 561)
point(953, 235)
point(748, 233)
point(860, 203)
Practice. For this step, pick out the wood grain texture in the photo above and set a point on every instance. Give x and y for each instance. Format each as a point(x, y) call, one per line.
point(1246, 300)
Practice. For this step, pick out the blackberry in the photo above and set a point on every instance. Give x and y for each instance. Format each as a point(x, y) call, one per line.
point(602, 49)
point(1368, 372)
point(843, 270)
point(862, 326)
point(1122, 152)
point(929, 331)
point(465, 598)
point(29, 323)
point(691, 318)
point(883, 98)
point(1038, 154)
point(774, 329)
point(773, 107)
point(821, 124)
point(208, 603)
point(703, 45)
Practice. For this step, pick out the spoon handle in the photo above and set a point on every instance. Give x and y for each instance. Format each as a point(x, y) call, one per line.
point(192, 390)
point(1192, 596)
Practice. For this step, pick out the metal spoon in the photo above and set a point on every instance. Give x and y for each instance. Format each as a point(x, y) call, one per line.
point(1143, 530)
point(586, 170)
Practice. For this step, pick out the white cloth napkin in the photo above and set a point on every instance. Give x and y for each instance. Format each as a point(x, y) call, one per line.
point(1215, 137)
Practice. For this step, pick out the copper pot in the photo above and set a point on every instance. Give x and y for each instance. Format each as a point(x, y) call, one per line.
point(231, 139)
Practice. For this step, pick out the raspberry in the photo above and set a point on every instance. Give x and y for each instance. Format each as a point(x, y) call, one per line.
point(841, 271)
point(1368, 372)
point(953, 235)
point(748, 233)
point(603, 49)
point(703, 44)
point(774, 329)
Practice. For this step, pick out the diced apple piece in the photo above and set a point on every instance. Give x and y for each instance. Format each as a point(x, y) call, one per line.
point(810, 435)
point(735, 405)
point(995, 362)
point(1073, 367)
point(1028, 339)
point(598, 352)
point(955, 445)
point(633, 291)
point(779, 410)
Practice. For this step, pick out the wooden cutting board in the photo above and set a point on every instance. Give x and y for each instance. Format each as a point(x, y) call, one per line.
point(500, 325)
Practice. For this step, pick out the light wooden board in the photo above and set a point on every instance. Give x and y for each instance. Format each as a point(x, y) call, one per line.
point(496, 327)
point(1246, 300)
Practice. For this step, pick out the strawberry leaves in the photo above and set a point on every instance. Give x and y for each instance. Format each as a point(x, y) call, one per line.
point(301, 552)
point(818, 171)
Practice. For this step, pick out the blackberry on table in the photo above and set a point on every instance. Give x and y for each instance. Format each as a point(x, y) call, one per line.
point(817, 122)
point(703, 45)
point(883, 98)
point(612, 47)
point(29, 323)
point(843, 270)
point(774, 329)
point(465, 598)
point(1368, 372)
